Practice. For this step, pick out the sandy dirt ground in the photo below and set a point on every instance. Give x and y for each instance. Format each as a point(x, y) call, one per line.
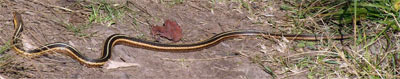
point(199, 20)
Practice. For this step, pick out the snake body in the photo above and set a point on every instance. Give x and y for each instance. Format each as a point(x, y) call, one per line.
point(116, 39)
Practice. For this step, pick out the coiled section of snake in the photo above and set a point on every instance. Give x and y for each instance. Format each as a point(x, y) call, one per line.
point(116, 39)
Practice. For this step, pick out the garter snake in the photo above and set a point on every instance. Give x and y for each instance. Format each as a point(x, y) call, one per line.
point(116, 39)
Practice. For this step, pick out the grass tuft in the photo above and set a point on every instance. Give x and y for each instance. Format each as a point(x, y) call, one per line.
point(4, 58)
point(105, 12)
point(5, 47)
point(373, 48)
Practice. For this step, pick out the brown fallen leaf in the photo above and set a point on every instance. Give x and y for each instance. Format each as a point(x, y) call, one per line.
point(171, 30)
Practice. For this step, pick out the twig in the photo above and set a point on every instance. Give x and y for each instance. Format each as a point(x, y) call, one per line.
point(189, 60)
point(373, 67)
point(140, 8)
point(394, 17)
point(284, 77)
point(54, 6)
point(309, 53)
point(341, 54)
point(390, 76)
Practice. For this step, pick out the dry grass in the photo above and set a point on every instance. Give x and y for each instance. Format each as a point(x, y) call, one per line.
point(370, 54)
